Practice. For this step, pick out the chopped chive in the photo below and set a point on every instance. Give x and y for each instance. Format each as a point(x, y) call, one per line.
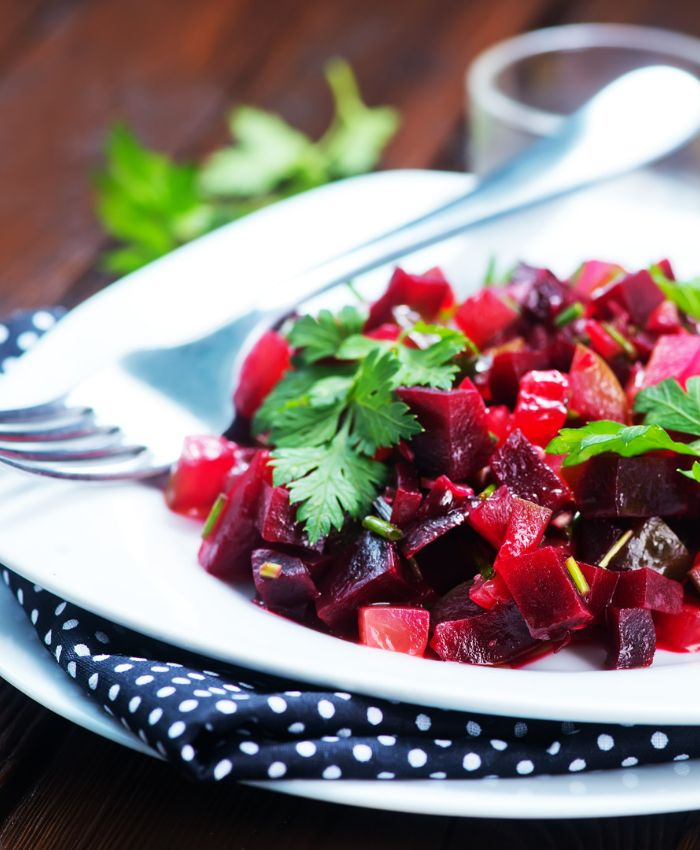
point(415, 567)
point(614, 549)
point(490, 273)
point(626, 346)
point(569, 314)
point(216, 509)
point(487, 491)
point(384, 529)
point(351, 286)
point(578, 578)
point(270, 570)
point(487, 572)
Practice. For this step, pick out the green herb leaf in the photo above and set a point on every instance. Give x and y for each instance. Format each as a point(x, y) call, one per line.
point(693, 473)
point(667, 404)
point(322, 336)
point(595, 438)
point(684, 294)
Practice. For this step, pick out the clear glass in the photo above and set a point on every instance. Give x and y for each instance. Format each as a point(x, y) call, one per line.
point(522, 88)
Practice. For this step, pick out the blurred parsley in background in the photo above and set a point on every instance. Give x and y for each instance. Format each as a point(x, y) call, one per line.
point(150, 204)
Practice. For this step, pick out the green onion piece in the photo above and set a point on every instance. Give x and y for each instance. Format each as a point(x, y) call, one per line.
point(614, 549)
point(216, 509)
point(577, 576)
point(487, 572)
point(270, 569)
point(569, 314)
point(487, 491)
point(626, 346)
point(351, 286)
point(384, 529)
point(490, 273)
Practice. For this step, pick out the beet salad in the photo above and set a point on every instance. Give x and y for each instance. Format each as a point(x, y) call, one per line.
point(481, 482)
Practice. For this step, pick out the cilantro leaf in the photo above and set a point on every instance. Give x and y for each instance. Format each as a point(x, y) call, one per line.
point(667, 404)
point(595, 438)
point(693, 473)
point(327, 482)
point(321, 336)
point(684, 294)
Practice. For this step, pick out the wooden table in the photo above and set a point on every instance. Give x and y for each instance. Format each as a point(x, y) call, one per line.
point(68, 68)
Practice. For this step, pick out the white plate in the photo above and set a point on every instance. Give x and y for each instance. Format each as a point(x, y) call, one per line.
point(115, 549)
point(662, 788)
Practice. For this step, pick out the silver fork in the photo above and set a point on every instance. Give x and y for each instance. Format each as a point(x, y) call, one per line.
point(128, 421)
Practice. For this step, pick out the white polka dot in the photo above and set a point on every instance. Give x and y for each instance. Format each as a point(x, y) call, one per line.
point(250, 748)
point(5, 574)
point(188, 705)
point(385, 774)
point(60, 608)
point(330, 739)
point(26, 340)
point(113, 692)
point(306, 749)
point(326, 709)
point(198, 692)
point(227, 686)
point(100, 657)
point(577, 764)
point(374, 715)
point(101, 637)
point(122, 668)
point(34, 616)
point(144, 680)
point(276, 769)
point(177, 728)
point(160, 669)
point(473, 729)
point(605, 742)
point(362, 752)
point(438, 775)
point(218, 691)
point(442, 742)
point(344, 732)
point(143, 736)
point(155, 716)
point(332, 772)
point(71, 668)
point(520, 729)
point(198, 676)
point(187, 752)
point(423, 722)
point(43, 320)
point(278, 705)
point(292, 693)
point(553, 749)
point(222, 769)
point(498, 744)
point(70, 624)
point(471, 762)
point(342, 695)
point(9, 363)
point(47, 638)
point(386, 740)
point(81, 650)
point(161, 749)
point(681, 757)
point(207, 672)
point(417, 758)
point(225, 706)
point(296, 728)
point(659, 740)
point(630, 761)
point(136, 658)
point(92, 681)
point(167, 691)
point(180, 680)
point(134, 703)
point(58, 651)
point(20, 596)
point(4, 334)
point(524, 767)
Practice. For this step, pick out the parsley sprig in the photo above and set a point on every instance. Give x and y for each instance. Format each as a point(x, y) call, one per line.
point(684, 294)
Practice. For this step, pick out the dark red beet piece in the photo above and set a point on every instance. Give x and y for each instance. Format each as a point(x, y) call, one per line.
point(456, 604)
point(494, 637)
point(636, 293)
point(267, 361)
point(593, 538)
point(519, 465)
point(424, 532)
point(407, 496)
point(226, 550)
point(288, 591)
point(544, 593)
point(425, 293)
point(609, 486)
point(456, 439)
point(526, 527)
point(602, 585)
point(540, 293)
point(644, 588)
point(484, 315)
point(444, 496)
point(490, 516)
point(374, 572)
point(653, 544)
point(632, 638)
point(680, 632)
point(489, 592)
point(277, 519)
point(507, 369)
point(452, 558)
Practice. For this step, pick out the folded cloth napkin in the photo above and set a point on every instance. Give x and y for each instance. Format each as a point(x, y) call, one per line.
point(227, 722)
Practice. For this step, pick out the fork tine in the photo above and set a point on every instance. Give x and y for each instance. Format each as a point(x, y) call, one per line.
point(34, 412)
point(66, 455)
point(84, 426)
point(67, 473)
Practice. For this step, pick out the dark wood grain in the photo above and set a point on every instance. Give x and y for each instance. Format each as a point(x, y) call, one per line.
point(68, 69)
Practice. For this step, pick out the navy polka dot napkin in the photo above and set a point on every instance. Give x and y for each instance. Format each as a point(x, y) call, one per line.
point(216, 722)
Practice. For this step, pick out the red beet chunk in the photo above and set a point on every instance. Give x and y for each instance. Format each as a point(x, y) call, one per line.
point(674, 356)
point(544, 593)
point(407, 496)
point(519, 465)
point(445, 496)
point(456, 439)
point(456, 604)
point(284, 584)
point(500, 422)
point(636, 293)
point(526, 527)
point(541, 408)
point(631, 637)
point(226, 550)
point(484, 315)
point(425, 293)
point(540, 293)
point(395, 628)
point(452, 558)
point(277, 519)
point(267, 361)
point(424, 532)
point(593, 538)
point(595, 390)
point(200, 473)
point(602, 585)
point(609, 486)
point(507, 369)
point(680, 632)
point(593, 275)
point(494, 637)
point(373, 573)
point(653, 544)
point(489, 592)
point(665, 319)
point(645, 588)
point(490, 516)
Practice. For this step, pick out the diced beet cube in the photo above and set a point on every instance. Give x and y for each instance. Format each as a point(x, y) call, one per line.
point(527, 524)
point(372, 573)
point(388, 331)
point(664, 319)
point(424, 532)
point(456, 439)
point(541, 294)
point(632, 638)
point(602, 585)
point(490, 516)
point(645, 588)
point(225, 552)
point(456, 604)
point(500, 422)
point(519, 465)
point(267, 361)
point(653, 544)
point(200, 474)
point(489, 592)
point(277, 519)
point(407, 496)
point(425, 293)
point(484, 315)
point(595, 391)
point(541, 408)
point(636, 293)
point(593, 275)
point(394, 628)
point(674, 356)
point(444, 496)
point(601, 341)
point(680, 632)
point(494, 637)
point(451, 558)
point(283, 582)
point(593, 538)
point(610, 486)
point(544, 593)
point(507, 369)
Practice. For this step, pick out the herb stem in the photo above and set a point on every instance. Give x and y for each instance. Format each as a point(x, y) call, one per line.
point(216, 509)
point(628, 349)
point(614, 549)
point(569, 314)
point(384, 529)
point(578, 578)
